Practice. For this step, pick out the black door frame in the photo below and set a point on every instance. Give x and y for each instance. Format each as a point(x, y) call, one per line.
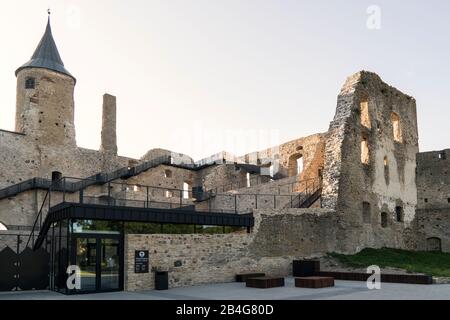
point(98, 237)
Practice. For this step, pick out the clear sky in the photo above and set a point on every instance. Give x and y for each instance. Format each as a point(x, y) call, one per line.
point(202, 76)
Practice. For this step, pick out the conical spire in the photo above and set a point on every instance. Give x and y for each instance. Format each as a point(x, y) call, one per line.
point(46, 54)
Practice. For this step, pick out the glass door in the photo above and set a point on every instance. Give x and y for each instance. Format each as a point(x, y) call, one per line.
point(86, 260)
point(110, 265)
point(99, 258)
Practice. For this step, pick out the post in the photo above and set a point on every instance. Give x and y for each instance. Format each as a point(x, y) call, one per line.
point(235, 203)
point(147, 197)
point(64, 189)
point(274, 201)
point(181, 198)
point(109, 193)
point(81, 196)
point(256, 201)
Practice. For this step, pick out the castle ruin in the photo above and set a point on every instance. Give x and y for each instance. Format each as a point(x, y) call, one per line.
point(363, 183)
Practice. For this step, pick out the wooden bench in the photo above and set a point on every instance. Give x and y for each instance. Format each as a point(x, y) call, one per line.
point(314, 282)
point(264, 282)
point(242, 277)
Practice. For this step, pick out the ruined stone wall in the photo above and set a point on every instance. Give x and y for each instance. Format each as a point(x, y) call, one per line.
point(433, 179)
point(194, 259)
point(384, 178)
point(222, 176)
point(433, 188)
point(18, 160)
point(433, 229)
point(310, 148)
point(22, 209)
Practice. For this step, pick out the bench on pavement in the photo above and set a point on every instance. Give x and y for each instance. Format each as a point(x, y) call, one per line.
point(314, 282)
point(265, 282)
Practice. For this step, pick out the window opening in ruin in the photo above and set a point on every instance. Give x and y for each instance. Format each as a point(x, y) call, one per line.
point(399, 214)
point(442, 155)
point(364, 150)
point(3, 227)
point(366, 212)
point(186, 189)
point(247, 177)
point(167, 174)
point(30, 83)
point(384, 220)
point(365, 118)
point(295, 164)
point(299, 165)
point(396, 127)
point(56, 175)
point(434, 244)
point(386, 163)
point(426, 200)
point(136, 188)
point(448, 200)
point(169, 194)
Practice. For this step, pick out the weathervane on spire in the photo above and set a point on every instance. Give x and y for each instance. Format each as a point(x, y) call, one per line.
point(49, 12)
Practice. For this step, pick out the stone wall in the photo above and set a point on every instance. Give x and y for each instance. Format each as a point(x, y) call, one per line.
point(277, 239)
point(433, 226)
point(433, 188)
point(433, 179)
point(367, 169)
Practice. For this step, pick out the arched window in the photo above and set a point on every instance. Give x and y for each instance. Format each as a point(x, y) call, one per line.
point(434, 244)
point(396, 127)
point(295, 164)
point(364, 150)
point(3, 227)
point(30, 83)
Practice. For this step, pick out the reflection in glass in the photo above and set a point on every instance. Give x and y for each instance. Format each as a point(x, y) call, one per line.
point(109, 264)
point(86, 259)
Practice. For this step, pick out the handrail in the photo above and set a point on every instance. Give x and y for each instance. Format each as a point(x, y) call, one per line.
point(37, 218)
point(303, 197)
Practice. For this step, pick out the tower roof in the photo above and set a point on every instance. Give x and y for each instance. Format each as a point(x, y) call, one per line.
point(46, 55)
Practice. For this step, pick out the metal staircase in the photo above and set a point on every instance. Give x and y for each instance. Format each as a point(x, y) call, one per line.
point(306, 198)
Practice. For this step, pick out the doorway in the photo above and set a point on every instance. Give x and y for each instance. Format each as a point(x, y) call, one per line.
point(100, 259)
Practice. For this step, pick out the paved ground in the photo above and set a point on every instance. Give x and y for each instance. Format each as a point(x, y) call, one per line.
point(238, 291)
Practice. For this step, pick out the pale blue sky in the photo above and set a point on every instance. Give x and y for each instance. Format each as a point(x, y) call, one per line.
point(202, 76)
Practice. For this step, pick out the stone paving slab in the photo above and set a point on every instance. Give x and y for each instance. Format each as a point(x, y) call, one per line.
point(237, 291)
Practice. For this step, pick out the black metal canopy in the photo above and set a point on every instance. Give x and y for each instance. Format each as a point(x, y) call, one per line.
point(69, 210)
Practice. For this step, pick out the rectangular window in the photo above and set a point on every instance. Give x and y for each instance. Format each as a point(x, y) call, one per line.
point(396, 127)
point(169, 194)
point(364, 151)
point(366, 213)
point(365, 118)
point(399, 214)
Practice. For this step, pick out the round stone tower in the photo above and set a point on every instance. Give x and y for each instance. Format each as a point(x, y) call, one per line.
point(44, 102)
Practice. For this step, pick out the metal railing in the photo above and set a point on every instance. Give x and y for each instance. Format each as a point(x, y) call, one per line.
point(308, 195)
